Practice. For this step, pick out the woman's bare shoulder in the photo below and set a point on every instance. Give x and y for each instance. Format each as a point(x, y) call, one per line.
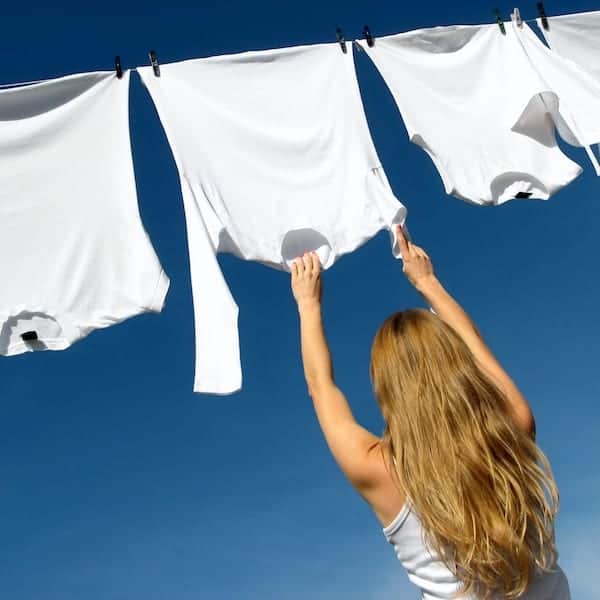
point(385, 498)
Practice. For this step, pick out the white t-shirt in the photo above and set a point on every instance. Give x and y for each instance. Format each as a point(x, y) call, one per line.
point(275, 159)
point(480, 104)
point(74, 255)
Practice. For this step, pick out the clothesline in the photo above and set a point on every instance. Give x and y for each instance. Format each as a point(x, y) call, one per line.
point(275, 157)
point(339, 34)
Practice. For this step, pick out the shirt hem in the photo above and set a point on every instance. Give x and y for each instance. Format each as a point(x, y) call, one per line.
point(160, 292)
point(49, 343)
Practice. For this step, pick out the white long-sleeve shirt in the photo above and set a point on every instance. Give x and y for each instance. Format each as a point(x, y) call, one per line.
point(275, 158)
point(74, 255)
point(484, 106)
point(577, 38)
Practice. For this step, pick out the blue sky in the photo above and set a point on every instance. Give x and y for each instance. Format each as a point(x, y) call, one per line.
point(117, 482)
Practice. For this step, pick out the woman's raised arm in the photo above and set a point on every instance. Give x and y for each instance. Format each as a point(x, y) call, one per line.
point(419, 270)
point(351, 444)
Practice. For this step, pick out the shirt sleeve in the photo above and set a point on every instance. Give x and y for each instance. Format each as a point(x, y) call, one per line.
point(218, 368)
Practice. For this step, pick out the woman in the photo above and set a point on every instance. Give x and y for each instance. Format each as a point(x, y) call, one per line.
point(463, 492)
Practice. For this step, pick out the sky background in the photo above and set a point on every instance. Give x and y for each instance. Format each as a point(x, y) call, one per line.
point(117, 482)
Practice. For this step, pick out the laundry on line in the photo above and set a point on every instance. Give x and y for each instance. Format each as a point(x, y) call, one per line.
point(275, 158)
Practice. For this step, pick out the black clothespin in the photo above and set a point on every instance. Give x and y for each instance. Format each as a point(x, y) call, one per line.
point(500, 21)
point(118, 67)
point(341, 40)
point(369, 37)
point(154, 63)
point(543, 17)
point(29, 336)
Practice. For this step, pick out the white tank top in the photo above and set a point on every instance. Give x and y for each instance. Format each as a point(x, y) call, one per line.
point(436, 581)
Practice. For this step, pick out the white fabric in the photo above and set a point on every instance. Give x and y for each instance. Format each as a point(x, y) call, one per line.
point(74, 255)
point(475, 101)
point(275, 158)
point(436, 581)
point(576, 37)
point(570, 96)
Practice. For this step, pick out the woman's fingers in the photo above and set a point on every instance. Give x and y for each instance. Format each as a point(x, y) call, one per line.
point(307, 261)
point(316, 263)
point(416, 263)
point(306, 278)
point(306, 265)
point(402, 241)
point(419, 252)
point(415, 251)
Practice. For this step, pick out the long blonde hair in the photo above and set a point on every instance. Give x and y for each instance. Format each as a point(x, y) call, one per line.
point(481, 487)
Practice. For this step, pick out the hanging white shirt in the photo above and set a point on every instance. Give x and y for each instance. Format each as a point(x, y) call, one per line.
point(576, 37)
point(474, 100)
point(275, 159)
point(569, 95)
point(74, 255)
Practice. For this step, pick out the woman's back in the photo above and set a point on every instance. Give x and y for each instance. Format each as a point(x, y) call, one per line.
point(458, 443)
point(435, 580)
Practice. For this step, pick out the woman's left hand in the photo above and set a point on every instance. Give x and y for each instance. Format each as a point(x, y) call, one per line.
point(306, 280)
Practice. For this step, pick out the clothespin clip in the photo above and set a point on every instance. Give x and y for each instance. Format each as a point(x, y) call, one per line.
point(341, 40)
point(516, 17)
point(154, 63)
point(118, 67)
point(369, 37)
point(500, 21)
point(542, 14)
point(29, 336)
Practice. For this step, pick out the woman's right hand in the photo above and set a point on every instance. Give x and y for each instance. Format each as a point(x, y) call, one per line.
point(416, 264)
